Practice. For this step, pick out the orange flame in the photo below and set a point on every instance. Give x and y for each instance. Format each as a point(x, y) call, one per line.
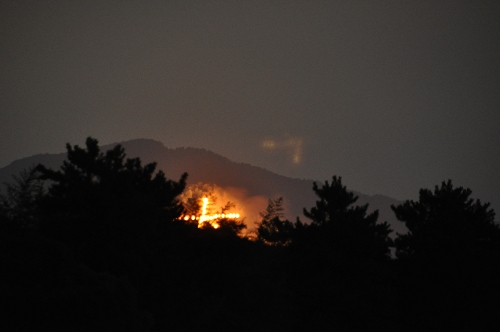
point(212, 219)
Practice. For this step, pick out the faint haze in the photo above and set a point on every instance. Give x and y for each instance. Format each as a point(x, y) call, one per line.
point(392, 96)
point(211, 175)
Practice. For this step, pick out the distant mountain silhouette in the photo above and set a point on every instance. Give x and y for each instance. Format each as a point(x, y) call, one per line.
point(208, 167)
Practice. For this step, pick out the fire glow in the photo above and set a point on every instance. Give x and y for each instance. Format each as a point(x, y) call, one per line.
point(212, 219)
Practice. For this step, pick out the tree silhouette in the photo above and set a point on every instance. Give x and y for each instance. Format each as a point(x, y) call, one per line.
point(339, 264)
point(44, 287)
point(230, 227)
point(449, 261)
point(19, 205)
point(444, 222)
point(101, 204)
point(273, 229)
point(349, 229)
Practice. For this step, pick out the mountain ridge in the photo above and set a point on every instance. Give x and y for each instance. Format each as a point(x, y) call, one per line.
point(252, 184)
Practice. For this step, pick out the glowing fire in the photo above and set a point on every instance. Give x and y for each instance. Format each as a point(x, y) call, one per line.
point(212, 219)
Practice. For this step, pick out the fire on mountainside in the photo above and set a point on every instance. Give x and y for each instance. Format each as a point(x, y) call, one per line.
point(200, 204)
point(212, 219)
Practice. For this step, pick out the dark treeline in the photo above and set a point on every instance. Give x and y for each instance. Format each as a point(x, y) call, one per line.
point(98, 246)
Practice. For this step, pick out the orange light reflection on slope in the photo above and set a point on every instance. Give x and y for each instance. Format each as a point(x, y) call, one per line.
point(212, 219)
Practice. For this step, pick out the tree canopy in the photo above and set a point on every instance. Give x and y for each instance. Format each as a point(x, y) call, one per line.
point(273, 229)
point(448, 261)
point(19, 204)
point(91, 182)
point(345, 226)
point(445, 221)
point(102, 246)
point(103, 205)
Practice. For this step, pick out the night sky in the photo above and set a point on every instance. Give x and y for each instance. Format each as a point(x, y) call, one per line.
point(391, 95)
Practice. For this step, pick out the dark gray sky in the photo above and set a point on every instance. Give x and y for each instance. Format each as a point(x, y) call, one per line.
point(391, 95)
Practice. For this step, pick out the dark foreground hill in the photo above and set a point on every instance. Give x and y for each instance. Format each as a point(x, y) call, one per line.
point(208, 167)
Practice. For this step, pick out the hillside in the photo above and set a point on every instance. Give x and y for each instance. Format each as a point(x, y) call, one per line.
point(249, 186)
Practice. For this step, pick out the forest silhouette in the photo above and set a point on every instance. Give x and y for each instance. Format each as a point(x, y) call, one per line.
point(99, 245)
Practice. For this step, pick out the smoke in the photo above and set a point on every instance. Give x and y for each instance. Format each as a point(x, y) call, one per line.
point(234, 200)
point(251, 206)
